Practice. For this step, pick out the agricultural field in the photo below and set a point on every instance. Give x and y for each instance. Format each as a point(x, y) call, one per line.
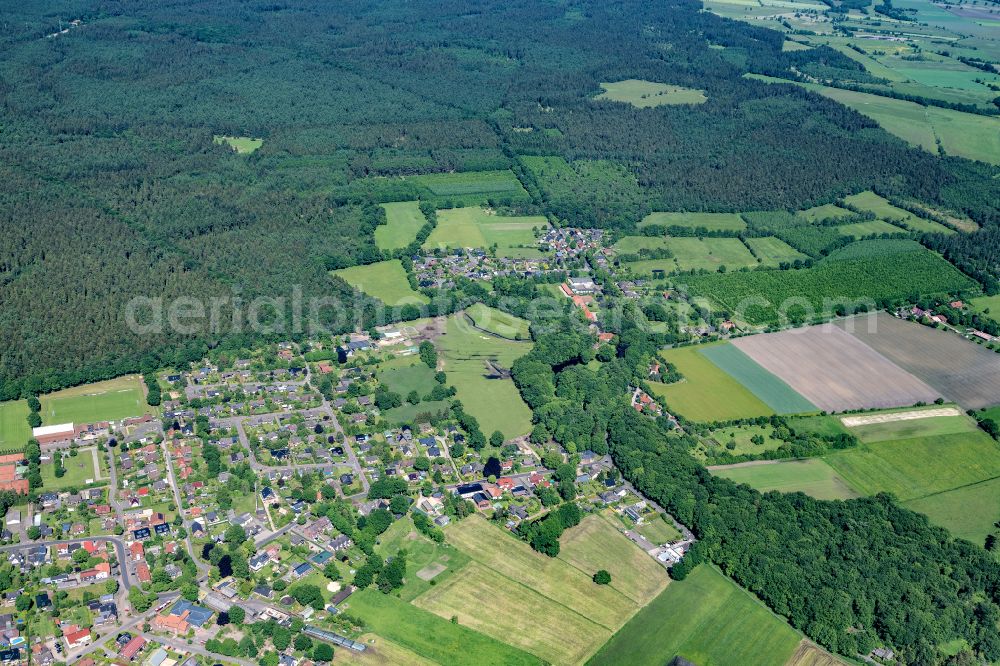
point(381, 652)
point(809, 654)
point(918, 467)
point(595, 544)
point(907, 424)
point(111, 400)
point(960, 370)
point(692, 254)
point(773, 251)
point(14, 429)
point(498, 322)
point(709, 221)
point(847, 281)
point(707, 619)
point(813, 476)
point(868, 228)
point(834, 370)
point(777, 394)
point(429, 636)
point(544, 605)
point(425, 559)
point(707, 393)
point(968, 512)
point(384, 280)
point(496, 403)
point(404, 220)
point(633, 244)
point(243, 145)
point(873, 203)
point(475, 227)
point(824, 212)
point(471, 187)
point(644, 94)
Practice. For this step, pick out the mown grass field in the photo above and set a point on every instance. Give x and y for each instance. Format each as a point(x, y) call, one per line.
point(102, 401)
point(707, 393)
point(498, 322)
point(918, 467)
point(778, 395)
point(404, 220)
point(814, 477)
point(595, 544)
point(14, 429)
point(869, 201)
point(707, 619)
point(632, 244)
point(988, 305)
point(384, 280)
point(407, 413)
point(241, 144)
point(475, 227)
point(658, 530)
point(773, 251)
point(381, 652)
point(709, 221)
point(423, 557)
point(968, 512)
point(644, 94)
point(429, 636)
point(692, 254)
point(936, 426)
point(79, 468)
point(869, 228)
point(496, 403)
point(416, 377)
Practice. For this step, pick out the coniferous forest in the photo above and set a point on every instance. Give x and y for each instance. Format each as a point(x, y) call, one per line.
point(111, 185)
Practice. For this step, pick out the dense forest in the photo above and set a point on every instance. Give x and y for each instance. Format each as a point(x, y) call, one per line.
point(853, 575)
point(111, 185)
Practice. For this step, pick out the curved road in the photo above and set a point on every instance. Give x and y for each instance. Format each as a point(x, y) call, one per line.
point(119, 544)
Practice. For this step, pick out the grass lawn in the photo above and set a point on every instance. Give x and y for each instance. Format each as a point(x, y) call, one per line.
point(872, 202)
point(425, 559)
point(516, 614)
point(707, 619)
point(103, 401)
point(595, 544)
point(775, 393)
point(773, 251)
point(644, 94)
point(476, 227)
point(814, 477)
point(496, 403)
point(658, 530)
point(385, 280)
point(550, 577)
point(404, 221)
point(79, 468)
point(968, 512)
point(709, 221)
point(707, 393)
point(14, 429)
point(416, 377)
point(241, 144)
point(913, 468)
point(498, 322)
point(430, 636)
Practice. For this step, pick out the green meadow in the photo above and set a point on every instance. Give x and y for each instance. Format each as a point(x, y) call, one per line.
point(869, 228)
point(644, 94)
point(773, 251)
point(871, 202)
point(813, 476)
point(498, 322)
point(14, 429)
point(384, 280)
point(417, 377)
point(968, 512)
point(103, 401)
point(709, 221)
point(404, 220)
point(496, 403)
point(241, 144)
point(707, 619)
point(476, 227)
point(471, 187)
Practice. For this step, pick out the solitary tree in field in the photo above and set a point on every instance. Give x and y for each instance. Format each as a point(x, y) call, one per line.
point(602, 577)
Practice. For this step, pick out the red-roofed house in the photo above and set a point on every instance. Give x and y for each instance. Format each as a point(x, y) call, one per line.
point(142, 572)
point(78, 638)
point(137, 551)
point(133, 648)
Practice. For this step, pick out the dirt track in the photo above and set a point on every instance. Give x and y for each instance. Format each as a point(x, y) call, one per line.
point(871, 419)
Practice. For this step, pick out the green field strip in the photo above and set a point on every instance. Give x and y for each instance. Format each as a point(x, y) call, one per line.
point(774, 392)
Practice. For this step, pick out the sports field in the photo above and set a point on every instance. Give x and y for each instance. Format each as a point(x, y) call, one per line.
point(14, 429)
point(476, 227)
point(112, 400)
point(596, 544)
point(960, 370)
point(241, 144)
point(921, 466)
point(430, 636)
point(496, 403)
point(384, 280)
point(834, 370)
point(709, 221)
point(773, 251)
point(545, 605)
point(498, 322)
point(404, 220)
point(871, 202)
point(707, 619)
point(644, 94)
point(707, 393)
point(813, 476)
point(778, 395)
point(968, 512)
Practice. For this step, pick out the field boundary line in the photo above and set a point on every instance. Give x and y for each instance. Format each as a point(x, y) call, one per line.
point(961, 487)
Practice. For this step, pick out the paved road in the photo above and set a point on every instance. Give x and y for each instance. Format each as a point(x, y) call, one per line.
point(203, 568)
point(183, 647)
point(120, 547)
